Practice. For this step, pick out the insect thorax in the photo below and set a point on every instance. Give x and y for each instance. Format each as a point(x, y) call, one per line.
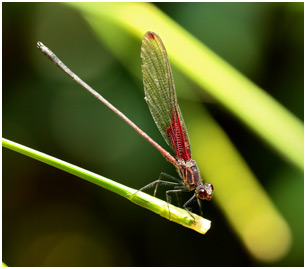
point(189, 172)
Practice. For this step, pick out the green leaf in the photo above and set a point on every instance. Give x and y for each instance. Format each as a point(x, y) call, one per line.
point(248, 102)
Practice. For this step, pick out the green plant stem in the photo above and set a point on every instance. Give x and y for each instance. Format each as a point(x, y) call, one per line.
point(158, 206)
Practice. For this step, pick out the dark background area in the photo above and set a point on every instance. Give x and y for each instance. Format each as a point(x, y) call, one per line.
point(51, 218)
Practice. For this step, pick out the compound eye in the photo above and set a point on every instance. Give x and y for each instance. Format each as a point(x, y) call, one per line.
point(206, 191)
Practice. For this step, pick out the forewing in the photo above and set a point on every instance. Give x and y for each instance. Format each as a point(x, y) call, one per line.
point(160, 95)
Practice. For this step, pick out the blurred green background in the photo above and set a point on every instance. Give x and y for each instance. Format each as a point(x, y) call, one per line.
point(51, 218)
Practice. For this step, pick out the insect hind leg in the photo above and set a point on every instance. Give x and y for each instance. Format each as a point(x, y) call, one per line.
point(165, 175)
point(178, 185)
point(159, 181)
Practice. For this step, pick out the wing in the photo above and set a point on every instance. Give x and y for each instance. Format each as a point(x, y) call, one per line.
point(161, 97)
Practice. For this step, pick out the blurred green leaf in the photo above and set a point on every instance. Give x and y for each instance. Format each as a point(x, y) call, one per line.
point(255, 108)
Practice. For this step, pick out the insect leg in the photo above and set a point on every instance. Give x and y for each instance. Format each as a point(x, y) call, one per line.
point(188, 202)
point(159, 181)
point(176, 191)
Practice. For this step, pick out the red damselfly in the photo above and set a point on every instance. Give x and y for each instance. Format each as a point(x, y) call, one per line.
point(161, 98)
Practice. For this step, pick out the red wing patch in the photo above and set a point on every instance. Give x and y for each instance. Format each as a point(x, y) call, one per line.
point(178, 138)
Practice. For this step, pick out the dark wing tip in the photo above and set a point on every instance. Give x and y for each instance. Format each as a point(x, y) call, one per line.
point(151, 35)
